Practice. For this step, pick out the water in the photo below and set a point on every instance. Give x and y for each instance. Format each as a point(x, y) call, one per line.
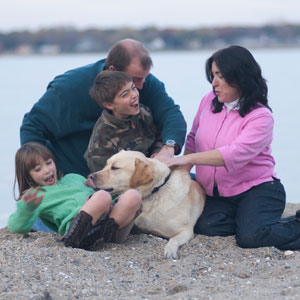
point(23, 79)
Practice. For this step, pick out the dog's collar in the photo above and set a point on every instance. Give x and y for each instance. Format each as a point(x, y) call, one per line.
point(158, 187)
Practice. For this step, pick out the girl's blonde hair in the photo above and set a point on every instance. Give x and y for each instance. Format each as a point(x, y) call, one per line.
point(27, 157)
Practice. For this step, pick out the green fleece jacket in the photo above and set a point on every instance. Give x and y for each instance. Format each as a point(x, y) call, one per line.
point(63, 119)
point(59, 206)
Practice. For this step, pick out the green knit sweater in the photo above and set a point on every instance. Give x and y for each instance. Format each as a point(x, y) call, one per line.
point(59, 206)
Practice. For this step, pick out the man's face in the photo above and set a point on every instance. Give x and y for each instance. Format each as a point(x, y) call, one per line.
point(137, 73)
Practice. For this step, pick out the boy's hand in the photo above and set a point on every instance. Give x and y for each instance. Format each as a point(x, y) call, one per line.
point(31, 198)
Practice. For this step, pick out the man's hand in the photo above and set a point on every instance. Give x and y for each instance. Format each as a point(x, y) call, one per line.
point(166, 153)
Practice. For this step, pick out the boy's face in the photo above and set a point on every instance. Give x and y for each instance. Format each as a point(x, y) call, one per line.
point(126, 102)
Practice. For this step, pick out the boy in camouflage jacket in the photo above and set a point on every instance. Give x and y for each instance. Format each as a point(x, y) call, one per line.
point(123, 124)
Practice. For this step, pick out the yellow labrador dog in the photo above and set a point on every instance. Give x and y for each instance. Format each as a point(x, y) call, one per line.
point(172, 201)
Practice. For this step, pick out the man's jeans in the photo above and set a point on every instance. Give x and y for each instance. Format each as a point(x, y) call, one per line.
point(253, 216)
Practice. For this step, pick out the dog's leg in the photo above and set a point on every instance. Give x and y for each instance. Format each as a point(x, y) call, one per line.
point(176, 241)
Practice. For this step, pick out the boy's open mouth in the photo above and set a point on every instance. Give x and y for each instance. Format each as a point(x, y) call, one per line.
point(135, 105)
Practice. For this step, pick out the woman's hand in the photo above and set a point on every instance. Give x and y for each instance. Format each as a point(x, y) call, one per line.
point(31, 199)
point(178, 161)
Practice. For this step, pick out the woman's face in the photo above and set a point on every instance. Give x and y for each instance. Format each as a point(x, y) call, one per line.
point(222, 89)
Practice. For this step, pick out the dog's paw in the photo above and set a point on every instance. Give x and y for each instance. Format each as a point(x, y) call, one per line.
point(171, 249)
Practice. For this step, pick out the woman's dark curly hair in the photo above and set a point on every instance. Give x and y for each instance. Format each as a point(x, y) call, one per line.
point(240, 70)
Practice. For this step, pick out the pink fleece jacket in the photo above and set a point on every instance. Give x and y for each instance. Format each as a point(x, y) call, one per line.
point(244, 143)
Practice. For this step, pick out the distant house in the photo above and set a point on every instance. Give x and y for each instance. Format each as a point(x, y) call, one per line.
point(49, 49)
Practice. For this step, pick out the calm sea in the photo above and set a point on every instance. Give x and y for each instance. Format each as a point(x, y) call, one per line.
point(23, 79)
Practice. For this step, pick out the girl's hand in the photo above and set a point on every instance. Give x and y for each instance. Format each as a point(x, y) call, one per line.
point(31, 198)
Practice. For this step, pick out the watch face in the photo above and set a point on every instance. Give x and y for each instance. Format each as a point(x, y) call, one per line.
point(170, 143)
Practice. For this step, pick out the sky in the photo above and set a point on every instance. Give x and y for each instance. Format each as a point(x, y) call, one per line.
point(16, 15)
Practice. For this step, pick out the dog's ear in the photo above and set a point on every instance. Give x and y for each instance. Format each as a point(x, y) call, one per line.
point(142, 174)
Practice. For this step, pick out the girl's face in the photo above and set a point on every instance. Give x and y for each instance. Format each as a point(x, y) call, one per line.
point(222, 89)
point(44, 173)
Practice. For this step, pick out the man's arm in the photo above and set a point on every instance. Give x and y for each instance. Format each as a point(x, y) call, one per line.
point(40, 124)
point(166, 114)
point(64, 117)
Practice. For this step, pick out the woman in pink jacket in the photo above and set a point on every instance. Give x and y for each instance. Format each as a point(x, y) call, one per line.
point(230, 145)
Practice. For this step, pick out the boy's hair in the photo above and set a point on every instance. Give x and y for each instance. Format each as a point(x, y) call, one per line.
point(107, 84)
point(27, 157)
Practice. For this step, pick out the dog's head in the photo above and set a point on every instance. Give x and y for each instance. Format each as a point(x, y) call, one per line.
point(129, 169)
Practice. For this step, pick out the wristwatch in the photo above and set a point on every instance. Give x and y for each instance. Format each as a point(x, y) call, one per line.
point(170, 143)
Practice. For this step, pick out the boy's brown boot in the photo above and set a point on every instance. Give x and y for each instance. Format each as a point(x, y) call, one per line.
point(80, 226)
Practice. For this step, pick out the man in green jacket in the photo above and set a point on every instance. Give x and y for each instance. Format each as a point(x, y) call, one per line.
point(64, 117)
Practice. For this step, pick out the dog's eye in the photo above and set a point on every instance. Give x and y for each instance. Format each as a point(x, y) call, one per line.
point(114, 168)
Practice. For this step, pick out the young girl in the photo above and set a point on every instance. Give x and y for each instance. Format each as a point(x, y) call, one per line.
point(65, 204)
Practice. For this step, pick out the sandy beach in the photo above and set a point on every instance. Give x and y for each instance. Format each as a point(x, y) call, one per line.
point(37, 266)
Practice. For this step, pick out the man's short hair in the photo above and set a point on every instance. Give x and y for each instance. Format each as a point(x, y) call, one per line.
point(107, 84)
point(121, 54)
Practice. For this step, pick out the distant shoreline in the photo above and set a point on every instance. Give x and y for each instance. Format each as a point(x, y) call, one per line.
point(102, 54)
point(94, 40)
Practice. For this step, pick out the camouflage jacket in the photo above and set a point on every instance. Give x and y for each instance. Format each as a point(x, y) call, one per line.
point(110, 135)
